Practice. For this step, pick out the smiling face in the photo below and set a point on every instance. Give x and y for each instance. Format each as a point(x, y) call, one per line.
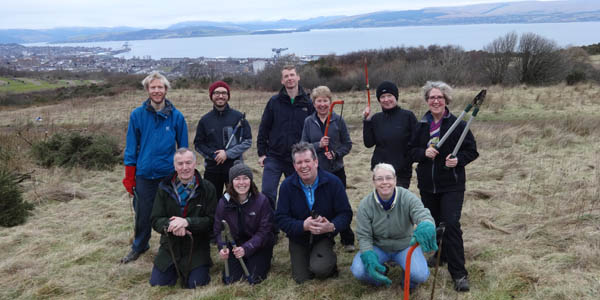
point(436, 103)
point(220, 97)
point(185, 163)
point(241, 185)
point(157, 92)
point(306, 166)
point(322, 105)
point(385, 183)
point(289, 79)
point(388, 101)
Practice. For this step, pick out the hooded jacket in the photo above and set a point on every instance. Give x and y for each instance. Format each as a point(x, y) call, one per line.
point(339, 140)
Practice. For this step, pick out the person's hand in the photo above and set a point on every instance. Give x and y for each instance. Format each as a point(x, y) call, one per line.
point(129, 180)
point(374, 268)
point(324, 226)
point(329, 155)
point(310, 224)
point(224, 253)
point(366, 113)
point(238, 252)
point(451, 162)
point(180, 232)
point(261, 161)
point(424, 234)
point(431, 152)
point(220, 156)
point(176, 224)
point(324, 142)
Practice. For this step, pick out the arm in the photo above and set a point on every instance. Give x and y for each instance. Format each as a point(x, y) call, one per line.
point(364, 230)
point(201, 142)
point(416, 150)
point(160, 216)
point(307, 133)
point(468, 150)
point(262, 139)
point(345, 142)
point(283, 214)
point(238, 149)
point(132, 142)
point(368, 133)
point(343, 211)
point(217, 226)
point(182, 132)
point(265, 228)
point(204, 224)
point(418, 212)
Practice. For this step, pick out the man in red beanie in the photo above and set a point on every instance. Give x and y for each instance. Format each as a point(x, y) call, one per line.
point(222, 136)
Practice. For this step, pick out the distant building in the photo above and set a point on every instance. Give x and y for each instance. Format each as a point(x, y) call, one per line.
point(258, 65)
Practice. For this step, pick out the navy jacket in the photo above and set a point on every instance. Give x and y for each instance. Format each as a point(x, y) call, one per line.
point(432, 175)
point(281, 124)
point(390, 131)
point(214, 131)
point(339, 140)
point(152, 138)
point(331, 202)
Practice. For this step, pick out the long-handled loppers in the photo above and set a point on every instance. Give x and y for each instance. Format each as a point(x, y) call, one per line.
point(477, 101)
point(228, 239)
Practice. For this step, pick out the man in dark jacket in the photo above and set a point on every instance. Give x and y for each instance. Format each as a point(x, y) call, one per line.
point(222, 136)
point(281, 127)
point(313, 207)
point(183, 214)
point(155, 130)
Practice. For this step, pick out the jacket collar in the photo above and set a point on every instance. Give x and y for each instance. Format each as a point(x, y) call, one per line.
point(428, 117)
point(218, 112)
point(165, 112)
point(396, 198)
point(295, 179)
point(300, 97)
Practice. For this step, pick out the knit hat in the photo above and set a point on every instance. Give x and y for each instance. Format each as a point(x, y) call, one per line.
point(239, 168)
point(217, 84)
point(387, 87)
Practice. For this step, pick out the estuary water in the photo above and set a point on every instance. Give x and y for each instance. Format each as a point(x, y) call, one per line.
point(342, 41)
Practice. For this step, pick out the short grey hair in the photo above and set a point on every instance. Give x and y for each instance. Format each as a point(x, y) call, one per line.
point(440, 85)
point(384, 166)
point(184, 150)
point(301, 147)
point(156, 75)
point(321, 91)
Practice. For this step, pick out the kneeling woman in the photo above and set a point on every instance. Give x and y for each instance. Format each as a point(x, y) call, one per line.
point(250, 218)
point(385, 220)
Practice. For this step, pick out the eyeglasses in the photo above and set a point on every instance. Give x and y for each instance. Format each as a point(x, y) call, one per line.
point(220, 93)
point(434, 98)
point(380, 179)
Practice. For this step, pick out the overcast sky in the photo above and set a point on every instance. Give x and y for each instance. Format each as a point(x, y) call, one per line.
point(37, 14)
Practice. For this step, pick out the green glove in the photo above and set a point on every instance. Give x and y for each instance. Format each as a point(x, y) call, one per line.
point(425, 236)
point(374, 268)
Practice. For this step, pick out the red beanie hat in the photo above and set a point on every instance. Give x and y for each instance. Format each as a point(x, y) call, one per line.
point(217, 84)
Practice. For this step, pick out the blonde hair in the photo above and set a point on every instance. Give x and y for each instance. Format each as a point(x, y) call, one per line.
point(321, 91)
point(156, 75)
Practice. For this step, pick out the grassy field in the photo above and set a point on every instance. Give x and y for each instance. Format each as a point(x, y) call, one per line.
point(24, 85)
point(531, 217)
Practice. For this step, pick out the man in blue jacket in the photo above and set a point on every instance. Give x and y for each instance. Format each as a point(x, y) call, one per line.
point(281, 127)
point(313, 207)
point(156, 129)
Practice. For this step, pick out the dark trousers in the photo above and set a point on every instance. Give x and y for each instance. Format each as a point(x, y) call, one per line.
point(197, 277)
point(271, 176)
point(219, 180)
point(142, 205)
point(258, 266)
point(309, 262)
point(447, 207)
point(346, 236)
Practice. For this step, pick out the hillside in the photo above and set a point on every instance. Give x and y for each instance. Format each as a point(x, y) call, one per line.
point(530, 219)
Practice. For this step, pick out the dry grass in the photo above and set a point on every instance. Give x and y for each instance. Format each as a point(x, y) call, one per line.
point(531, 218)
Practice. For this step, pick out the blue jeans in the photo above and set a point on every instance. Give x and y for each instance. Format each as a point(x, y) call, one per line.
point(271, 175)
point(142, 205)
point(197, 277)
point(418, 266)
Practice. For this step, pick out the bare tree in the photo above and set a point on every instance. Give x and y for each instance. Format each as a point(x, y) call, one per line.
point(540, 60)
point(501, 52)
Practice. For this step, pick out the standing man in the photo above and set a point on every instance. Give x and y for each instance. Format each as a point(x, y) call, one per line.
point(222, 136)
point(155, 130)
point(313, 207)
point(280, 128)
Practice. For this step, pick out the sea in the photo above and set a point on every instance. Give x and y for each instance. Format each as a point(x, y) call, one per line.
point(343, 41)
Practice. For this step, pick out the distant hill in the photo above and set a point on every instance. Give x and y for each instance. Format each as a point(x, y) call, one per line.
point(502, 12)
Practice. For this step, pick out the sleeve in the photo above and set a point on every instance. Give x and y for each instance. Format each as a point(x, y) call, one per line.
point(262, 139)
point(307, 134)
point(283, 214)
point(467, 151)
point(246, 136)
point(217, 226)
point(160, 216)
point(364, 230)
point(418, 212)
point(343, 210)
point(182, 132)
point(265, 228)
point(201, 143)
point(204, 224)
point(369, 132)
point(417, 151)
point(345, 142)
point(132, 142)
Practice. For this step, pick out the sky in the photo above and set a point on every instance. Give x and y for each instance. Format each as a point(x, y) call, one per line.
point(41, 14)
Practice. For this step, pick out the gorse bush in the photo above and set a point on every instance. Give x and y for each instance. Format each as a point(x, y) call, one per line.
point(96, 152)
point(13, 210)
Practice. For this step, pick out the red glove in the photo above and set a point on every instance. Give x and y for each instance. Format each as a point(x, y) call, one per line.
point(129, 180)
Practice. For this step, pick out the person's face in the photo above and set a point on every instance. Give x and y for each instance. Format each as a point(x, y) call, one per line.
point(322, 105)
point(241, 184)
point(385, 182)
point(289, 79)
point(436, 102)
point(157, 91)
point(388, 101)
point(306, 166)
point(185, 164)
point(220, 97)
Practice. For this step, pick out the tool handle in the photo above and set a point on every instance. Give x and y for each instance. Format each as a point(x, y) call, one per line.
point(407, 271)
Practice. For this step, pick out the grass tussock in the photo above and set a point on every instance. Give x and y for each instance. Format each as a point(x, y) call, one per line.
point(530, 216)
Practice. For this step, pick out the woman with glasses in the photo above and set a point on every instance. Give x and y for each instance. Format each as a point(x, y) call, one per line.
point(441, 177)
point(385, 221)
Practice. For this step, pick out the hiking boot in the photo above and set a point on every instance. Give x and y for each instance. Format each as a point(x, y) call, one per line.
point(131, 256)
point(433, 259)
point(349, 248)
point(461, 284)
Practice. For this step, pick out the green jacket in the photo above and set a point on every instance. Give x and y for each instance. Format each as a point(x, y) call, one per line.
point(389, 230)
point(200, 216)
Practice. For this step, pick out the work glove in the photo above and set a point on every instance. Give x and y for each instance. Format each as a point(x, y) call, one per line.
point(424, 234)
point(374, 268)
point(129, 180)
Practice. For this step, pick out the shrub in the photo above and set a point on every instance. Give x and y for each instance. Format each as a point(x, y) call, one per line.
point(13, 210)
point(99, 152)
point(575, 76)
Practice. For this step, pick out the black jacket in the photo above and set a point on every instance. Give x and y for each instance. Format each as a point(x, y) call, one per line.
point(390, 131)
point(432, 175)
point(281, 124)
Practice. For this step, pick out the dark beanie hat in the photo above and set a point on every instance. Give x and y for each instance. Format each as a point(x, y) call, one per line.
point(239, 168)
point(387, 87)
point(217, 84)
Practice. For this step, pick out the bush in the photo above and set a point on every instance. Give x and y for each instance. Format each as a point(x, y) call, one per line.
point(98, 152)
point(575, 76)
point(13, 210)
